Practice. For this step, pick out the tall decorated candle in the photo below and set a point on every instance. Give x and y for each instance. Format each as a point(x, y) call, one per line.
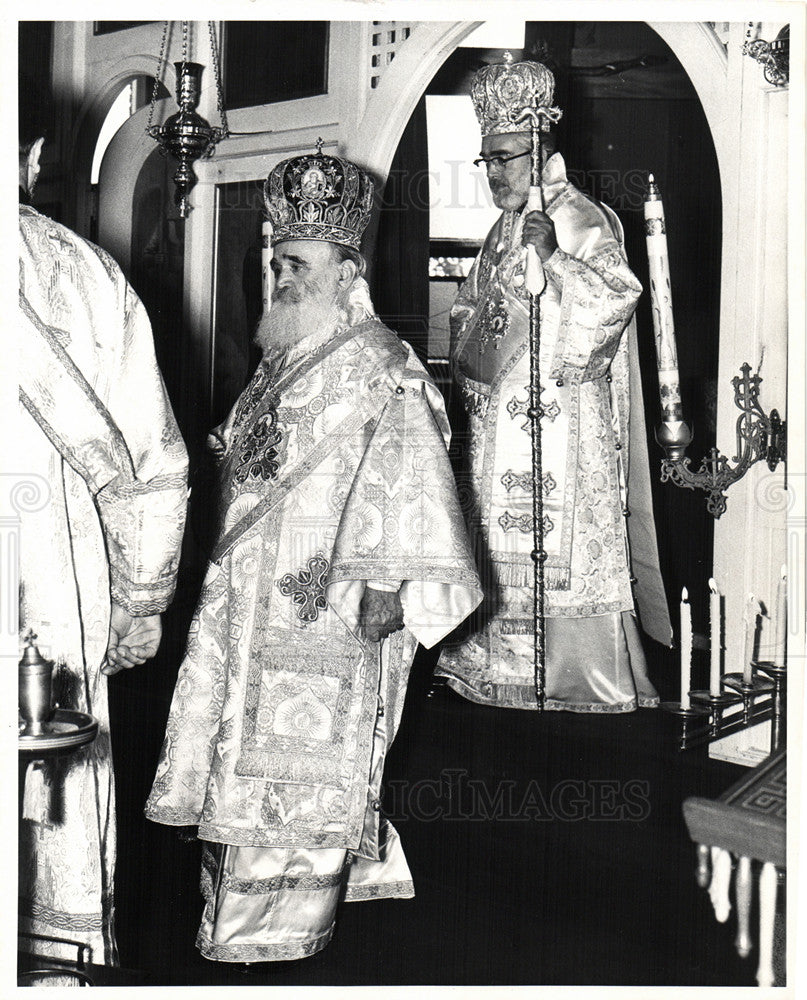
point(661, 304)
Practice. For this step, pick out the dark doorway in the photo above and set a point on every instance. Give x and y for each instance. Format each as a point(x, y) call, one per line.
point(158, 258)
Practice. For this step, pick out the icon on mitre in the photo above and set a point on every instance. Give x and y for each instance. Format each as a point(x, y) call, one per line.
point(313, 183)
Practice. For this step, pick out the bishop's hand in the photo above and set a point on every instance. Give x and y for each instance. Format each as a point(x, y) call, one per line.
point(539, 230)
point(380, 614)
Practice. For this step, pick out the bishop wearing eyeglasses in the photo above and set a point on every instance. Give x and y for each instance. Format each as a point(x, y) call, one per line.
point(593, 473)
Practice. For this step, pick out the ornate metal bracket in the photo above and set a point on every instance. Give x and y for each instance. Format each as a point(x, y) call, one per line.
point(759, 438)
point(773, 56)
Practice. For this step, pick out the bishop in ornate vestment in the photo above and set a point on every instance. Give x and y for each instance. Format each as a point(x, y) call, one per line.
point(591, 411)
point(341, 547)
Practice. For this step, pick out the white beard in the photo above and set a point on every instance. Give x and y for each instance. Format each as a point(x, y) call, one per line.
point(288, 321)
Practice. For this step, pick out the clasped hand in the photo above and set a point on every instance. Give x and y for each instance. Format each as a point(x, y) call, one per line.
point(539, 230)
point(131, 640)
point(380, 614)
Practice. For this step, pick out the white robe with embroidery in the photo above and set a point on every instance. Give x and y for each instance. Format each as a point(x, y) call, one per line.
point(589, 400)
point(103, 513)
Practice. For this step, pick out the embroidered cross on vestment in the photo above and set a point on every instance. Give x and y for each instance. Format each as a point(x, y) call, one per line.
point(307, 588)
point(523, 522)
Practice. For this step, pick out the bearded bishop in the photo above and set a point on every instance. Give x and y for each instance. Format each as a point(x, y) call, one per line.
point(341, 546)
point(597, 532)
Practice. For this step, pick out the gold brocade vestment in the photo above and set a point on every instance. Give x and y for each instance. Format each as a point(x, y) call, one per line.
point(335, 473)
point(590, 399)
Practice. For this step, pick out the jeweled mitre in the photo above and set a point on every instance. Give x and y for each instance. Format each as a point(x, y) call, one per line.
point(503, 91)
point(319, 197)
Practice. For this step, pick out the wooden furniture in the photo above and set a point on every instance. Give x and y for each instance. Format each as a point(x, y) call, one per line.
point(747, 822)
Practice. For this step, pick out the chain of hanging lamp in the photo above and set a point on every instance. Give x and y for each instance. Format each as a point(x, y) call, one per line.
point(157, 77)
point(214, 52)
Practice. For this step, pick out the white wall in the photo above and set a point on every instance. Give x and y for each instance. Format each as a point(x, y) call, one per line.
point(750, 538)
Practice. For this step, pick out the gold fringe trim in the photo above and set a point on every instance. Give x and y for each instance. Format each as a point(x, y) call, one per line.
point(512, 574)
point(515, 626)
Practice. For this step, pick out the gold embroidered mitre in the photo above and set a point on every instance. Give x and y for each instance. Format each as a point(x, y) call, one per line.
point(502, 92)
point(319, 197)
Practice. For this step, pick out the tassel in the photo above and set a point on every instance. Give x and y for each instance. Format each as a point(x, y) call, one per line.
point(719, 888)
point(557, 577)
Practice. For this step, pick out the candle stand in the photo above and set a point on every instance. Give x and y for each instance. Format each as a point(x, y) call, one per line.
point(688, 716)
point(717, 704)
point(763, 699)
point(760, 437)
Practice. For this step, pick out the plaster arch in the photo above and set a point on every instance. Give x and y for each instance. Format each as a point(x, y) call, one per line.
point(391, 104)
point(705, 61)
point(120, 168)
point(90, 119)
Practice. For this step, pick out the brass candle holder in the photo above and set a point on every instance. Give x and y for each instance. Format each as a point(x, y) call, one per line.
point(760, 437)
point(690, 718)
point(716, 704)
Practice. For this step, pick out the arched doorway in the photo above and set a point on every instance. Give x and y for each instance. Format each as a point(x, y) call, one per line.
point(630, 109)
point(134, 74)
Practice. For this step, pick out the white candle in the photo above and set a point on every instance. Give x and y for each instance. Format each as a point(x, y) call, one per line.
point(780, 644)
point(266, 260)
point(686, 647)
point(750, 628)
point(714, 621)
point(661, 304)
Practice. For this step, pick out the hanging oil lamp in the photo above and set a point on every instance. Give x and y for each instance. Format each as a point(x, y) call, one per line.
point(186, 135)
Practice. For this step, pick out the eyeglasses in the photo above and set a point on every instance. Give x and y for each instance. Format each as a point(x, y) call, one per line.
point(499, 161)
